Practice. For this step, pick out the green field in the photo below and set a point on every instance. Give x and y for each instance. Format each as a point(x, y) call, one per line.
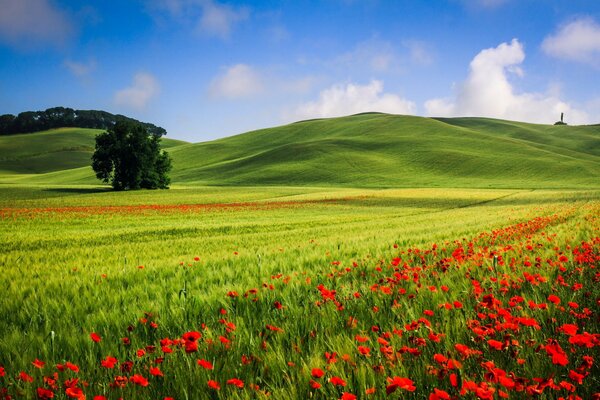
point(374, 256)
point(78, 260)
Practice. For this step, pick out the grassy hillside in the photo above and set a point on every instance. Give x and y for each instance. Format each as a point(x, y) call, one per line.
point(389, 150)
point(52, 150)
point(382, 150)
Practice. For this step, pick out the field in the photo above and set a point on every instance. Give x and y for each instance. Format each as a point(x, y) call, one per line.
point(298, 292)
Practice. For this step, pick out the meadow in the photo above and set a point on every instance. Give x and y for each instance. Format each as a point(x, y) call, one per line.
point(298, 292)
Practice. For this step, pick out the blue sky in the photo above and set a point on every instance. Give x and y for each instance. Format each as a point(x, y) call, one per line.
point(205, 69)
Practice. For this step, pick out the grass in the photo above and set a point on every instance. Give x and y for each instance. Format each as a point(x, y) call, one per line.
point(370, 150)
point(80, 260)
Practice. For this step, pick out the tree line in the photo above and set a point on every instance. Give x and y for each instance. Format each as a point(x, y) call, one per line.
point(58, 117)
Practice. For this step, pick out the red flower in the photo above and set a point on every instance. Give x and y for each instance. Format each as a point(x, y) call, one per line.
point(317, 373)
point(75, 393)
point(569, 329)
point(337, 381)
point(205, 364)
point(347, 396)
point(109, 362)
point(191, 336)
point(95, 337)
point(495, 344)
point(364, 350)
point(399, 383)
point(370, 391)
point(554, 299)
point(72, 367)
point(25, 378)
point(439, 395)
point(314, 384)
point(44, 394)
point(558, 355)
point(155, 371)
point(213, 385)
point(139, 380)
point(236, 382)
point(99, 398)
point(38, 364)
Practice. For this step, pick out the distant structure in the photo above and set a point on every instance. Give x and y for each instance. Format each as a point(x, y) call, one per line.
point(561, 122)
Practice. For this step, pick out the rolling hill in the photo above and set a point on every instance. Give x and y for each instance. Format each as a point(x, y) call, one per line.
point(364, 150)
point(52, 150)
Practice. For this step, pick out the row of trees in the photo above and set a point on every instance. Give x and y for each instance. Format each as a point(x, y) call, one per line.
point(58, 117)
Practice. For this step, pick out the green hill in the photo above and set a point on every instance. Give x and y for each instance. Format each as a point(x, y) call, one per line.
point(52, 150)
point(382, 150)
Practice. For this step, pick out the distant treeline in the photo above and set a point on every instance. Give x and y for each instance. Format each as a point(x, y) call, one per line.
point(58, 117)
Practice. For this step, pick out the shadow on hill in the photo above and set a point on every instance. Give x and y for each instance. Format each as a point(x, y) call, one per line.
point(77, 190)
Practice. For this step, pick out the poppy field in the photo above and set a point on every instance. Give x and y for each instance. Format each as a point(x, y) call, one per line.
point(299, 293)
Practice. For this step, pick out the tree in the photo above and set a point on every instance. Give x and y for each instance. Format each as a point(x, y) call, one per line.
point(128, 157)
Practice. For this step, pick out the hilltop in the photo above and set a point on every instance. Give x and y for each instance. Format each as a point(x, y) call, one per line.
point(370, 150)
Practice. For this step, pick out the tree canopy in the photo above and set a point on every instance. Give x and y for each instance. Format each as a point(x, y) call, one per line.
point(59, 117)
point(129, 157)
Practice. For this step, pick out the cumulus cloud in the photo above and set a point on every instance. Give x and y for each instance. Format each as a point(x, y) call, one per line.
point(29, 22)
point(209, 17)
point(80, 69)
point(351, 98)
point(579, 40)
point(144, 88)
point(237, 81)
point(488, 92)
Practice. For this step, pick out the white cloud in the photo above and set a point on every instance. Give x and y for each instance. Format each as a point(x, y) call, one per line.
point(488, 92)
point(208, 17)
point(219, 19)
point(578, 40)
point(144, 88)
point(339, 100)
point(419, 52)
point(237, 81)
point(25, 23)
point(80, 69)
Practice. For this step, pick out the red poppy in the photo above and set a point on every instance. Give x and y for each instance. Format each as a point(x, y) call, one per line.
point(317, 373)
point(139, 380)
point(337, 381)
point(399, 383)
point(75, 393)
point(236, 382)
point(95, 337)
point(23, 376)
point(314, 384)
point(109, 362)
point(38, 364)
point(348, 396)
point(155, 371)
point(205, 364)
point(44, 394)
point(213, 385)
point(439, 395)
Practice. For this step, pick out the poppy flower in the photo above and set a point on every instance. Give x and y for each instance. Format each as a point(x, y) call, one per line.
point(139, 380)
point(38, 364)
point(205, 364)
point(95, 337)
point(337, 381)
point(44, 394)
point(236, 382)
point(23, 376)
point(439, 395)
point(348, 396)
point(317, 373)
point(370, 391)
point(399, 383)
point(213, 385)
point(314, 384)
point(109, 362)
point(75, 393)
point(155, 371)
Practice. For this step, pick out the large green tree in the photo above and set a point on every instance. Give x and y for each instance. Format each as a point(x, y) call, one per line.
point(128, 157)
